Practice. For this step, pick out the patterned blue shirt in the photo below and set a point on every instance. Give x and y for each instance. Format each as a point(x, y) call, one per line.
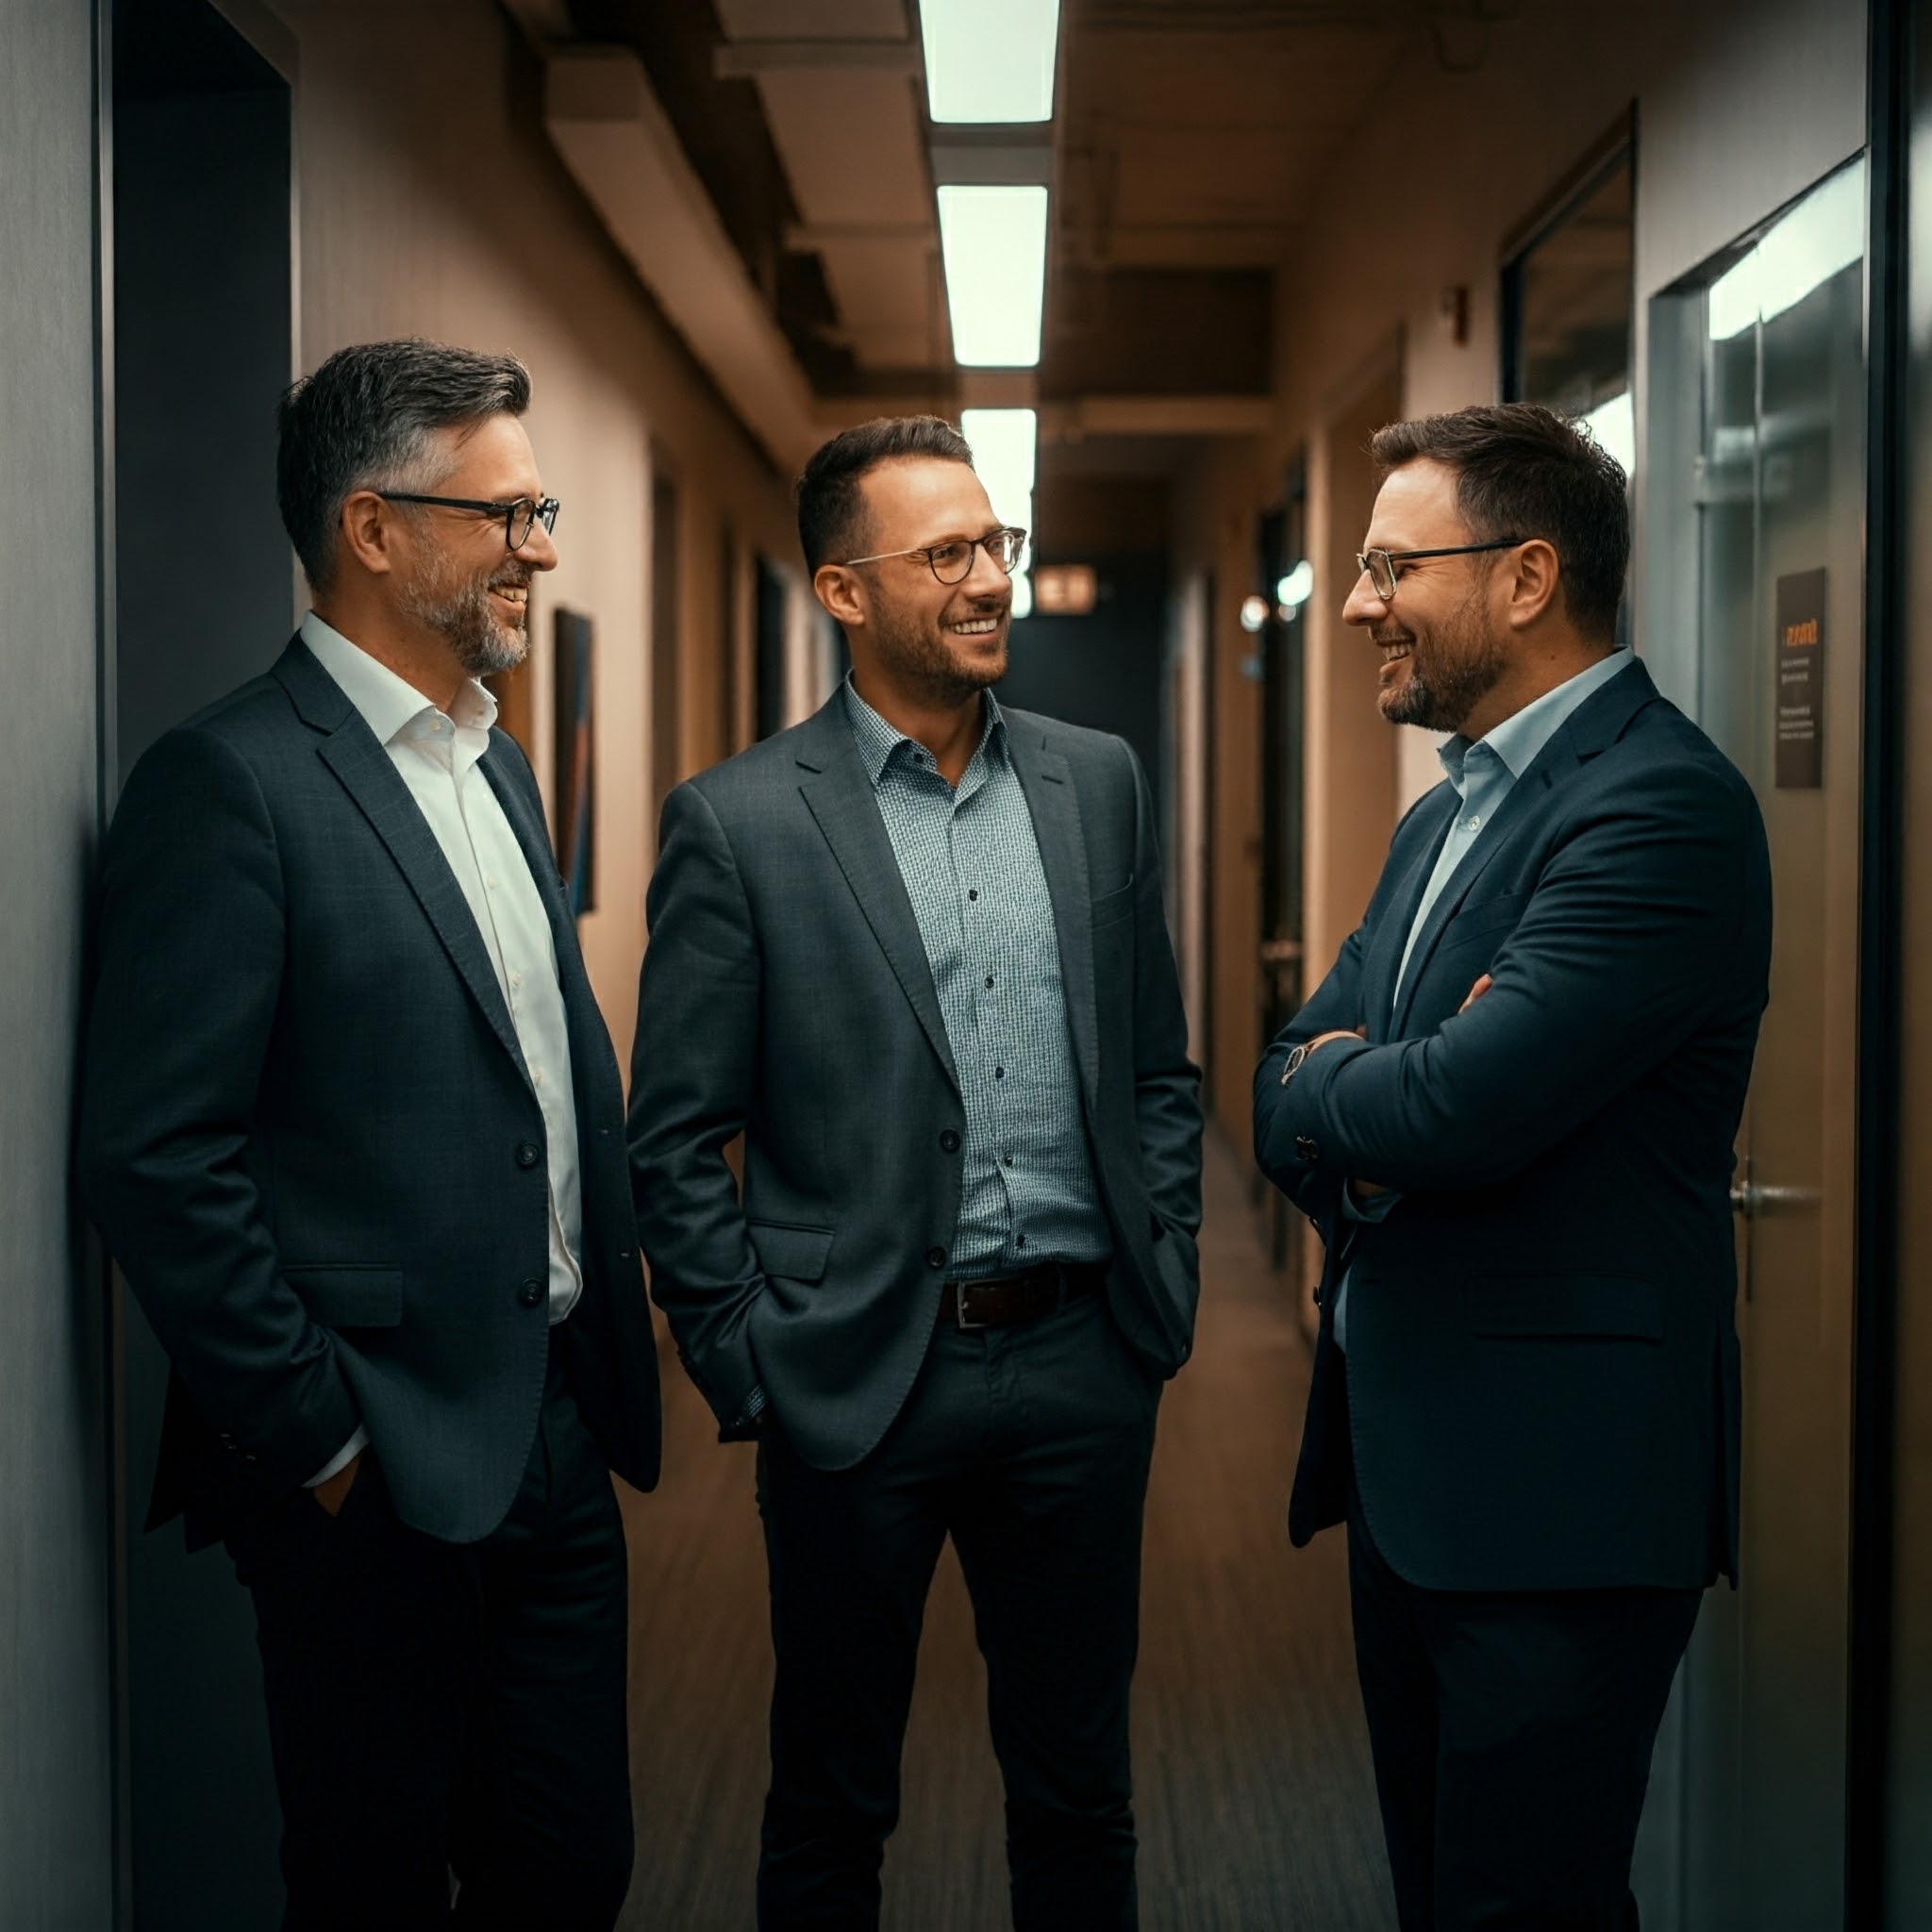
point(972, 868)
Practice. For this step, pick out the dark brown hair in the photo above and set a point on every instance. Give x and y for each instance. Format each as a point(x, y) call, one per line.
point(831, 510)
point(1523, 471)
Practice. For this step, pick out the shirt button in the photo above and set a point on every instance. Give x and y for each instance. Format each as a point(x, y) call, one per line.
point(974, 893)
point(1020, 1241)
point(1009, 1158)
point(935, 1257)
point(949, 1141)
point(537, 1075)
point(530, 1294)
point(999, 1073)
point(988, 982)
point(490, 880)
point(528, 1154)
point(1475, 823)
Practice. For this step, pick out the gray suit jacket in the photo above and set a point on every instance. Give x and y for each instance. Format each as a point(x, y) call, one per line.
point(308, 1136)
point(786, 995)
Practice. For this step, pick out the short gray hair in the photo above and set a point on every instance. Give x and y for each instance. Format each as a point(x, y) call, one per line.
point(364, 420)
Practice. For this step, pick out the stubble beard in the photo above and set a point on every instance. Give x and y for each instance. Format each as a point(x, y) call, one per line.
point(459, 612)
point(917, 655)
point(1451, 675)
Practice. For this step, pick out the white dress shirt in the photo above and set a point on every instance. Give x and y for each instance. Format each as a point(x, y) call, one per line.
point(436, 754)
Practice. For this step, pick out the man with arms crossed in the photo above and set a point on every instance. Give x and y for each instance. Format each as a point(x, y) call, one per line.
point(353, 1127)
point(914, 951)
point(1509, 1110)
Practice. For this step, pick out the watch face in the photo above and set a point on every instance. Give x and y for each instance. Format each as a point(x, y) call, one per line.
point(1293, 1065)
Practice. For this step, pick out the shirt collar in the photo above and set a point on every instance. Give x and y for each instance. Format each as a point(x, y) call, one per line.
point(1518, 742)
point(389, 704)
point(877, 741)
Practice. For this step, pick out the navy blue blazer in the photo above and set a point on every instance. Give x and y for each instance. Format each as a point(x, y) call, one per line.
point(1542, 1384)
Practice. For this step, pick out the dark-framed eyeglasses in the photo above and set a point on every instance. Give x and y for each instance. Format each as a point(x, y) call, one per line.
point(952, 563)
point(520, 517)
point(1382, 567)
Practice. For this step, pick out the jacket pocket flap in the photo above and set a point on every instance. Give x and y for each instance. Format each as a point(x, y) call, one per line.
point(352, 1295)
point(1558, 1304)
point(798, 1254)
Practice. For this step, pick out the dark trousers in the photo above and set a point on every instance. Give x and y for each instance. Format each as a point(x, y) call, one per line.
point(1028, 1445)
point(1512, 1734)
point(439, 1709)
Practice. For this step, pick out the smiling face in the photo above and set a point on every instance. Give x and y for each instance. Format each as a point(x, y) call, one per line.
point(460, 580)
point(941, 642)
point(1443, 646)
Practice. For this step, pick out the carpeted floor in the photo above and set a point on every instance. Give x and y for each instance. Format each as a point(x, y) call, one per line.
point(1253, 1789)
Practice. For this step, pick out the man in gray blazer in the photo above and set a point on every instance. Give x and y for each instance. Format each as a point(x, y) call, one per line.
point(351, 1124)
point(913, 951)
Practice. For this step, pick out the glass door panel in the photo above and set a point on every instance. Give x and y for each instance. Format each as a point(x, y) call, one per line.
point(1758, 405)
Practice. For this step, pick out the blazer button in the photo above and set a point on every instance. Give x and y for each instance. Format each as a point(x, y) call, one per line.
point(949, 1141)
point(1306, 1149)
point(530, 1294)
point(935, 1257)
point(528, 1154)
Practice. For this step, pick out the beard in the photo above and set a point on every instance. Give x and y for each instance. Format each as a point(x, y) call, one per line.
point(458, 610)
point(1449, 673)
point(917, 651)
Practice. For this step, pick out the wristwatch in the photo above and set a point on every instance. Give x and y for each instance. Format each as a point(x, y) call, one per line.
point(1292, 1064)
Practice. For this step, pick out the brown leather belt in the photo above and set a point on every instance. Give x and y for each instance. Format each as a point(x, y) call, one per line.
point(1020, 1297)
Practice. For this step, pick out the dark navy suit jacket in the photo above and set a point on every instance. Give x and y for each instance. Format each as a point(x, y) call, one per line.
point(1541, 1387)
point(308, 1136)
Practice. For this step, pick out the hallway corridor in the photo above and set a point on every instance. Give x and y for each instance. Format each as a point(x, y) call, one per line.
point(1253, 1796)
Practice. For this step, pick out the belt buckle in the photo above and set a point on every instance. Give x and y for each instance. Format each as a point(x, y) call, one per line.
point(959, 1291)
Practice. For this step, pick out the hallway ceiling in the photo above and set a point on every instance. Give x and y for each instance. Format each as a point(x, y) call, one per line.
point(1190, 139)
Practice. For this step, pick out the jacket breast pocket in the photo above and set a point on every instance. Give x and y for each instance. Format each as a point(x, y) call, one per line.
point(789, 1251)
point(348, 1295)
point(1490, 922)
point(1110, 907)
point(1555, 1306)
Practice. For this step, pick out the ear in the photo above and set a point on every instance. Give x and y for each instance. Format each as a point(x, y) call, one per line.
point(368, 529)
point(841, 593)
point(1532, 584)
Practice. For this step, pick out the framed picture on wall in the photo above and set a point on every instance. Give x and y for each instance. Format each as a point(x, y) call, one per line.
point(572, 635)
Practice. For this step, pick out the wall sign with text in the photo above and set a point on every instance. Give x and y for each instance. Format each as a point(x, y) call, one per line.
point(1801, 681)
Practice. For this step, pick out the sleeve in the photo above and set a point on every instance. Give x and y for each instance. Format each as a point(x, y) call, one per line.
point(190, 940)
point(1641, 924)
point(693, 1069)
point(1167, 1084)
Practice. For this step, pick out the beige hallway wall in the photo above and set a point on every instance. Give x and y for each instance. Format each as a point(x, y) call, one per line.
point(432, 203)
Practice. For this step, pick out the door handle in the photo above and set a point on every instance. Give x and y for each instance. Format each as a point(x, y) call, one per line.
point(1753, 1199)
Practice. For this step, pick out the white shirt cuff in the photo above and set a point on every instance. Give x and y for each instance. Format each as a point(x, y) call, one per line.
point(342, 1458)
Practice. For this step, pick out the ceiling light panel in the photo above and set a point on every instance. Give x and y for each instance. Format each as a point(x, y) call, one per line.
point(989, 61)
point(994, 243)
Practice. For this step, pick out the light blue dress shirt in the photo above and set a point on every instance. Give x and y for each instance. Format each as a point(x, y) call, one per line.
point(1484, 774)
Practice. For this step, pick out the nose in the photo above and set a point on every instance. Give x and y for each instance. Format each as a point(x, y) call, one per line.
point(1364, 606)
point(539, 549)
point(985, 578)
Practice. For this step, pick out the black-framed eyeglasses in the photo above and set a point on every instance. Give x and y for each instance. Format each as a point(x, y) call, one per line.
point(952, 563)
point(1380, 566)
point(520, 517)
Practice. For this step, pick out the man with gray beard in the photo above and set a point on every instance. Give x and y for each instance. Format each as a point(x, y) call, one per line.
point(352, 1126)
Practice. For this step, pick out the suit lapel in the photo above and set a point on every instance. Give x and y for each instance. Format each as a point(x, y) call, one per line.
point(839, 796)
point(1461, 882)
point(350, 750)
point(1055, 804)
point(1391, 934)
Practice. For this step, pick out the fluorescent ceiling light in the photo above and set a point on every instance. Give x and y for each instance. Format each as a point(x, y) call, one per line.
point(1004, 444)
point(1821, 235)
point(990, 59)
point(993, 241)
point(1022, 595)
point(1614, 426)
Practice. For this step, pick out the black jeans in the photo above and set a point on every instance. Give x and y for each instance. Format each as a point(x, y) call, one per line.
point(439, 1709)
point(1511, 1733)
point(1028, 1445)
